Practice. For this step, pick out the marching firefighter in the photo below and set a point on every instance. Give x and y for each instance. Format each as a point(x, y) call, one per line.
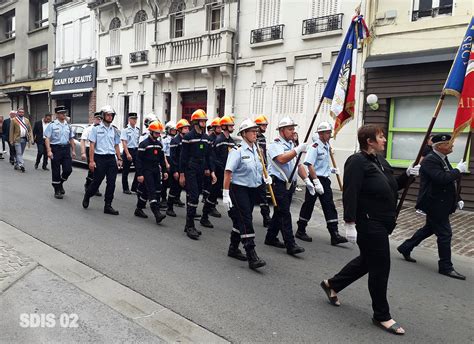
point(175, 152)
point(150, 164)
point(318, 162)
point(214, 130)
point(221, 147)
point(151, 117)
point(60, 145)
point(104, 159)
point(129, 136)
point(242, 179)
point(85, 144)
point(170, 133)
point(281, 161)
point(262, 123)
point(194, 163)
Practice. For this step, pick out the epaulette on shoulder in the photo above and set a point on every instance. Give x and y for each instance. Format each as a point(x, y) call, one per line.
point(277, 139)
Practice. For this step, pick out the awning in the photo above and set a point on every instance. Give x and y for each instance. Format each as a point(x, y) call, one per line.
point(79, 90)
point(29, 86)
point(409, 58)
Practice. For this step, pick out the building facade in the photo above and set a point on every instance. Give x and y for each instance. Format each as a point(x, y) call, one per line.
point(26, 56)
point(75, 73)
point(407, 65)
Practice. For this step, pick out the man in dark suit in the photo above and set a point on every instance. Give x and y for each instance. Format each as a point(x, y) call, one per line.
point(38, 130)
point(6, 136)
point(437, 198)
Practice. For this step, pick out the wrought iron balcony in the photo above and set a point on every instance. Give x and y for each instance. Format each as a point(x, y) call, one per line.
point(266, 34)
point(113, 61)
point(139, 56)
point(432, 12)
point(322, 24)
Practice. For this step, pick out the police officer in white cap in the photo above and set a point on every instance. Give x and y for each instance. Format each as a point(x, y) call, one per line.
point(243, 176)
point(281, 161)
point(319, 165)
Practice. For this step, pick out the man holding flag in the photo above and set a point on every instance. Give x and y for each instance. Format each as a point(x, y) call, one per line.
point(438, 196)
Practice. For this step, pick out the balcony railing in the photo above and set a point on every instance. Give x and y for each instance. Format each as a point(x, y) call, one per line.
point(111, 61)
point(139, 56)
point(432, 12)
point(266, 34)
point(322, 24)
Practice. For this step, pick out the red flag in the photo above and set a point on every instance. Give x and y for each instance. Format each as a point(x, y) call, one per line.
point(465, 113)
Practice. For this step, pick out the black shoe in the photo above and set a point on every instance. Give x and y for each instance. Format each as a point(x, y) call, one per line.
point(85, 202)
point(303, 236)
point(205, 222)
point(407, 256)
point(266, 221)
point(58, 194)
point(98, 194)
point(22, 168)
point(337, 239)
point(36, 166)
point(109, 210)
point(140, 213)
point(276, 243)
point(45, 168)
point(127, 192)
point(454, 274)
point(234, 252)
point(214, 213)
point(158, 216)
point(254, 261)
point(192, 233)
point(164, 204)
point(170, 212)
point(61, 189)
point(295, 249)
point(178, 203)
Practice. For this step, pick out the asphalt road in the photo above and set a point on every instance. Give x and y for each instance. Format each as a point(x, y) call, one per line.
point(282, 302)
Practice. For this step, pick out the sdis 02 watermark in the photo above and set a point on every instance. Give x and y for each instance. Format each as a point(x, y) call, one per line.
point(49, 320)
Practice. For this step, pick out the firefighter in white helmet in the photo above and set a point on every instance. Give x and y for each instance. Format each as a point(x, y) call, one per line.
point(319, 165)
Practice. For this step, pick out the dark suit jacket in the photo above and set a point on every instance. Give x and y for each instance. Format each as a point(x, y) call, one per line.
point(38, 132)
point(6, 129)
point(437, 196)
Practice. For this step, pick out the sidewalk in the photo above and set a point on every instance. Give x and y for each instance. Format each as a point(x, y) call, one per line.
point(46, 296)
point(462, 223)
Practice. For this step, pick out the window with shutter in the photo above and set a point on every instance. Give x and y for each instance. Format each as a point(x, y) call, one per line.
point(139, 27)
point(268, 13)
point(322, 8)
point(324, 111)
point(85, 49)
point(257, 99)
point(68, 40)
point(431, 8)
point(114, 36)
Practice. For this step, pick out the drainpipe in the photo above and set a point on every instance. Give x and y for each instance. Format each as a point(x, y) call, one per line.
point(236, 56)
point(155, 14)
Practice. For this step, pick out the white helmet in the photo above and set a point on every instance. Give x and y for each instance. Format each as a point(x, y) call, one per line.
point(170, 125)
point(246, 124)
point(151, 117)
point(286, 122)
point(107, 109)
point(324, 126)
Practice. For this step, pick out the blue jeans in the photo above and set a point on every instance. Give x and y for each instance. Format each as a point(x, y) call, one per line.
point(19, 149)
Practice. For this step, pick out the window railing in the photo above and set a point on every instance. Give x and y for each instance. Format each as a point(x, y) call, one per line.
point(113, 60)
point(432, 12)
point(10, 34)
point(139, 56)
point(322, 24)
point(266, 34)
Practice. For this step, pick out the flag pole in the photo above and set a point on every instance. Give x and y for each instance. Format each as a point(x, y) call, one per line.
point(465, 156)
point(265, 174)
point(418, 157)
point(338, 177)
point(306, 138)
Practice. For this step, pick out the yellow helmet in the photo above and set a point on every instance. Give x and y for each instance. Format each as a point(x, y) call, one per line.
point(182, 123)
point(199, 114)
point(226, 120)
point(216, 122)
point(262, 119)
point(156, 126)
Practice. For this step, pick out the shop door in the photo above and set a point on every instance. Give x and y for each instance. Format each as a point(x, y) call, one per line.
point(80, 110)
point(191, 101)
point(39, 106)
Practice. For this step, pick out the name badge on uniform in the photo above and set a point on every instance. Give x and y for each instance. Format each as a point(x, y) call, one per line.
point(246, 157)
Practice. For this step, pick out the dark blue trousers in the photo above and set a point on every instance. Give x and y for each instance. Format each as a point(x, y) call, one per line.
point(106, 167)
point(61, 163)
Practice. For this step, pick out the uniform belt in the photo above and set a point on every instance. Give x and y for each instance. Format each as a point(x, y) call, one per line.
point(61, 146)
point(105, 155)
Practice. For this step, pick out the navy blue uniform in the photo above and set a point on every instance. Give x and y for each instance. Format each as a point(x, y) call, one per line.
point(149, 164)
point(206, 187)
point(131, 135)
point(175, 153)
point(194, 160)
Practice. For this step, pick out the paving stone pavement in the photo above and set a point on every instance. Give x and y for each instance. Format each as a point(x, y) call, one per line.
point(12, 263)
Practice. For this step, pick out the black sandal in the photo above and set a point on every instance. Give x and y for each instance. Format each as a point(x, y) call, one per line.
point(333, 300)
point(392, 329)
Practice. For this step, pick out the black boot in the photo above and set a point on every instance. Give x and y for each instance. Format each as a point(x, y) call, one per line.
point(164, 204)
point(140, 213)
point(57, 193)
point(190, 227)
point(234, 252)
point(61, 189)
point(178, 203)
point(205, 221)
point(303, 236)
point(294, 249)
point(214, 213)
point(109, 210)
point(336, 239)
point(98, 194)
point(266, 220)
point(170, 211)
point(85, 201)
point(155, 208)
point(254, 261)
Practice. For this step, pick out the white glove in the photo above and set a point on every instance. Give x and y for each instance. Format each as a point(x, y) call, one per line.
point(309, 186)
point(335, 170)
point(413, 171)
point(462, 166)
point(318, 186)
point(268, 180)
point(460, 205)
point(302, 148)
point(226, 199)
point(351, 232)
